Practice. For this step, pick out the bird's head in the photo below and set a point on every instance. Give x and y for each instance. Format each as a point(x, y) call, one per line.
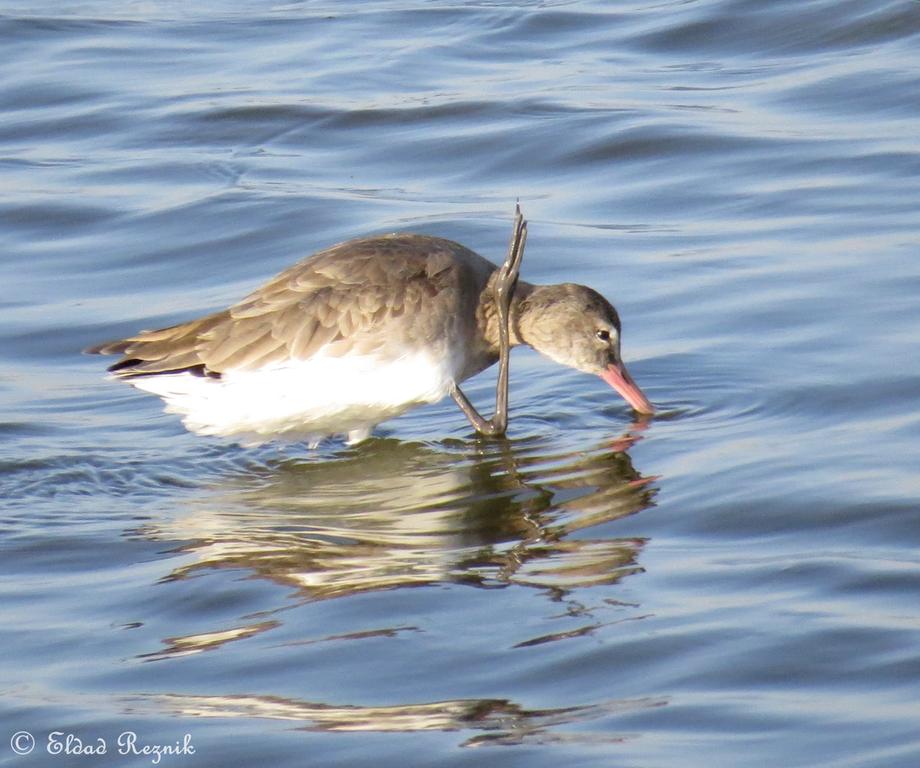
point(576, 326)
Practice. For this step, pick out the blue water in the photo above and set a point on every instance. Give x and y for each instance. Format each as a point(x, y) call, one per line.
point(735, 583)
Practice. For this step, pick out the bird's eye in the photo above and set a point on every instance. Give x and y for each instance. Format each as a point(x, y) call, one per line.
point(603, 335)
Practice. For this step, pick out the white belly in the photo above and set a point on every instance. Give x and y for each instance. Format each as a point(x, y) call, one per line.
point(304, 400)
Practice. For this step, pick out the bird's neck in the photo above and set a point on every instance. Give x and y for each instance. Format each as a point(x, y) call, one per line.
point(522, 316)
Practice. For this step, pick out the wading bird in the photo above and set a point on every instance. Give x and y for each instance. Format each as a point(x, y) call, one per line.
point(361, 332)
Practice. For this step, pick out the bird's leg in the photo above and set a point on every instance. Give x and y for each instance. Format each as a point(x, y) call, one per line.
point(502, 293)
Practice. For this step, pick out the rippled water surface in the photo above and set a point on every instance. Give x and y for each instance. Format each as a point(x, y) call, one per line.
point(734, 583)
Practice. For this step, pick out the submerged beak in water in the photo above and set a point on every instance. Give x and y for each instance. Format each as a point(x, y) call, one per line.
point(618, 377)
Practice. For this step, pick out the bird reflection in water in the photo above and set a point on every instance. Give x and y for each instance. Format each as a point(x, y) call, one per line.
point(497, 721)
point(391, 514)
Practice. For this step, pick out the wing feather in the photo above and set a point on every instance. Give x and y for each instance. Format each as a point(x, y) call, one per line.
point(364, 295)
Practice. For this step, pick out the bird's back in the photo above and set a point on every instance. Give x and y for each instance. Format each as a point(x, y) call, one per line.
point(374, 295)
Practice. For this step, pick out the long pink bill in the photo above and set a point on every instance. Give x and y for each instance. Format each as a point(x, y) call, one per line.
point(618, 377)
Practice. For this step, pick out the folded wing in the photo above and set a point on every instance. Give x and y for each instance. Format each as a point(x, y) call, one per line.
point(366, 297)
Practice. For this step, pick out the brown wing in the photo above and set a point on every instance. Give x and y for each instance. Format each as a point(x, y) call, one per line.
point(363, 295)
